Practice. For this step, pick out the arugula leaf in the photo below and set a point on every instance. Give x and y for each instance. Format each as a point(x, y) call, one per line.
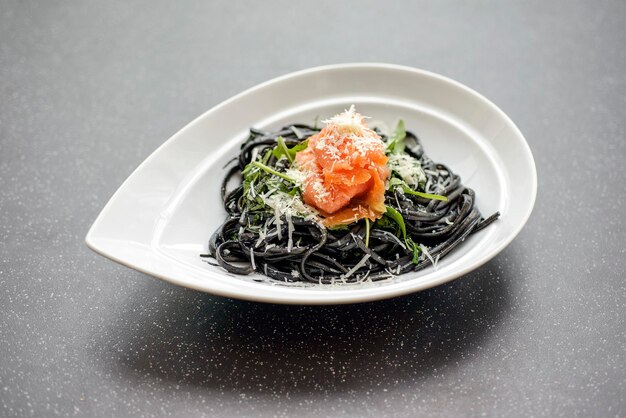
point(410, 244)
point(290, 153)
point(299, 147)
point(295, 191)
point(396, 182)
point(252, 179)
point(385, 223)
point(426, 195)
point(395, 144)
point(258, 178)
point(397, 217)
point(417, 250)
point(282, 149)
point(272, 171)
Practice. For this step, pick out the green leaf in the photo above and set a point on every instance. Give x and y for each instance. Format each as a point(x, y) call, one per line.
point(416, 250)
point(295, 191)
point(395, 143)
point(266, 156)
point(397, 217)
point(272, 171)
point(281, 149)
point(426, 195)
point(299, 147)
point(385, 223)
point(410, 244)
point(396, 182)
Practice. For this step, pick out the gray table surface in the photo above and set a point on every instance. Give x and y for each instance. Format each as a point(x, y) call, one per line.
point(89, 89)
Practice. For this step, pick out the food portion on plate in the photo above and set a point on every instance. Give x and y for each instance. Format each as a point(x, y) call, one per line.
point(341, 204)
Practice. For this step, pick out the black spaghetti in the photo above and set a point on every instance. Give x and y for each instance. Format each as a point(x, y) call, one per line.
point(270, 230)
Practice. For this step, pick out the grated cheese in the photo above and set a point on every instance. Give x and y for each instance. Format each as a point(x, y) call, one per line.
point(297, 131)
point(356, 267)
point(255, 153)
point(408, 168)
point(348, 118)
point(430, 257)
point(252, 259)
point(321, 193)
point(298, 175)
point(262, 235)
point(290, 229)
point(277, 221)
point(365, 276)
point(252, 192)
point(363, 138)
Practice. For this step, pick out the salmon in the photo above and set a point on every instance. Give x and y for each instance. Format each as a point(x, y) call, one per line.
point(346, 170)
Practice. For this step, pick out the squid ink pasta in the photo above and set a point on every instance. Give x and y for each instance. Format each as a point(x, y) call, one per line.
point(342, 204)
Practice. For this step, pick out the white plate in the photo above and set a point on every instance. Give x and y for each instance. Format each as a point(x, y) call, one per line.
point(160, 219)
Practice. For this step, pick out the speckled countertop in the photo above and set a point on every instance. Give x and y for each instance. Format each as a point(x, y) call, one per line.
point(89, 89)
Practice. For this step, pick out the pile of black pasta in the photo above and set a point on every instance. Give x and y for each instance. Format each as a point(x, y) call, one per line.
point(321, 255)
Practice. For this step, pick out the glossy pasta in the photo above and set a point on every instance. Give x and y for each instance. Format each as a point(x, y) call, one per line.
point(417, 230)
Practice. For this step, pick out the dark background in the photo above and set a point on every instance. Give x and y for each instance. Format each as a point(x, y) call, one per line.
point(89, 89)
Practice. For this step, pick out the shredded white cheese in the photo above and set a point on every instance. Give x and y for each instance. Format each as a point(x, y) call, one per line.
point(348, 118)
point(252, 191)
point(408, 168)
point(350, 127)
point(277, 221)
point(283, 203)
point(321, 193)
point(252, 259)
point(365, 276)
point(262, 235)
point(297, 131)
point(356, 267)
point(298, 175)
point(430, 257)
point(255, 153)
point(290, 229)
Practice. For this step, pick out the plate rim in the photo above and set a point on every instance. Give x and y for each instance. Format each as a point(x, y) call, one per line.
point(385, 292)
